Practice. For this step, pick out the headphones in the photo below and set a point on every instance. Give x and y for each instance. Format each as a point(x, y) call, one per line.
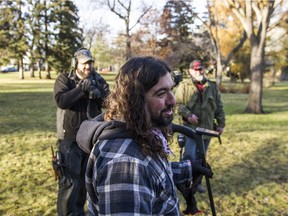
point(74, 60)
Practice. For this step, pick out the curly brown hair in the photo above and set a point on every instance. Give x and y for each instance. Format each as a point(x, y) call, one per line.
point(127, 100)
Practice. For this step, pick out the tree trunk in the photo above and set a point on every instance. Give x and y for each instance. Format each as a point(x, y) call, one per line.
point(219, 70)
point(21, 71)
point(255, 92)
point(32, 74)
point(273, 75)
point(39, 69)
point(31, 68)
point(47, 70)
point(128, 46)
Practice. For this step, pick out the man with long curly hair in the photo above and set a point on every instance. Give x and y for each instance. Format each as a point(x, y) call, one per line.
point(128, 172)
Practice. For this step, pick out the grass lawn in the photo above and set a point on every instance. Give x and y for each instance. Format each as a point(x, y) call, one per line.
point(250, 167)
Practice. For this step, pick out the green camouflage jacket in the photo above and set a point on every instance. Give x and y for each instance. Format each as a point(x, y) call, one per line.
point(208, 106)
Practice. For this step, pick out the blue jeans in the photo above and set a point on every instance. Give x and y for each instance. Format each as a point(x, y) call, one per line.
point(72, 192)
point(190, 150)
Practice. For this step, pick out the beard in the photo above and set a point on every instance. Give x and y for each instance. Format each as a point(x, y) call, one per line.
point(162, 120)
point(199, 78)
point(84, 74)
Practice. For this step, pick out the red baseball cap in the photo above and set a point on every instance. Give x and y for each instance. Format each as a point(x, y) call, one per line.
point(196, 64)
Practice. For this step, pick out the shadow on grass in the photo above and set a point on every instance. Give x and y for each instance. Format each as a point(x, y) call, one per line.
point(266, 165)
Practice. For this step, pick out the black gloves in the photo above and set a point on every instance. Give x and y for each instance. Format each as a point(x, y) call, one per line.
point(89, 86)
point(95, 93)
point(199, 169)
point(85, 84)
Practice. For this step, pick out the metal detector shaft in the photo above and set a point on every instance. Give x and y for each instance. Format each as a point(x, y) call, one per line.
point(209, 189)
point(197, 135)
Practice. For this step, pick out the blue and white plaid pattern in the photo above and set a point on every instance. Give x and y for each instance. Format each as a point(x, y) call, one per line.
point(120, 180)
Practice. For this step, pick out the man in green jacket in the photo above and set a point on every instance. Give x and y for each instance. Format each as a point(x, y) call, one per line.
point(199, 104)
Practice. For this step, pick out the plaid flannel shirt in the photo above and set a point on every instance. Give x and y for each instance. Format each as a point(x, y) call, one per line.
point(120, 180)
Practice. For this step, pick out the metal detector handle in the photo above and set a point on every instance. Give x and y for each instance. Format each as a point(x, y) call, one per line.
point(198, 136)
point(213, 133)
point(204, 131)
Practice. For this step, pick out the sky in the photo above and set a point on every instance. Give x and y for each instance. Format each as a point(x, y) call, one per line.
point(88, 13)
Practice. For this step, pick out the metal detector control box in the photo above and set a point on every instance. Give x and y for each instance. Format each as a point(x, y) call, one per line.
point(208, 132)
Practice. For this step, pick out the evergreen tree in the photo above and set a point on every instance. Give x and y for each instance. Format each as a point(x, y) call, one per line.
point(13, 32)
point(45, 30)
point(34, 28)
point(6, 23)
point(68, 34)
point(177, 46)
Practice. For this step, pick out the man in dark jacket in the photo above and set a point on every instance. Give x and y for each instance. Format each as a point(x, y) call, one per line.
point(79, 96)
point(128, 171)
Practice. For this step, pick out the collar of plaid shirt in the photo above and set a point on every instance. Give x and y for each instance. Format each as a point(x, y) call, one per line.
point(159, 134)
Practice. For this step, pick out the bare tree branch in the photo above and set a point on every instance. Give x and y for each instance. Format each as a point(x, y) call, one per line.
point(142, 15)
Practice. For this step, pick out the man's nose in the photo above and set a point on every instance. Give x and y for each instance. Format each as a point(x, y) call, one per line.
point(171, 98)
point(87, 65)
